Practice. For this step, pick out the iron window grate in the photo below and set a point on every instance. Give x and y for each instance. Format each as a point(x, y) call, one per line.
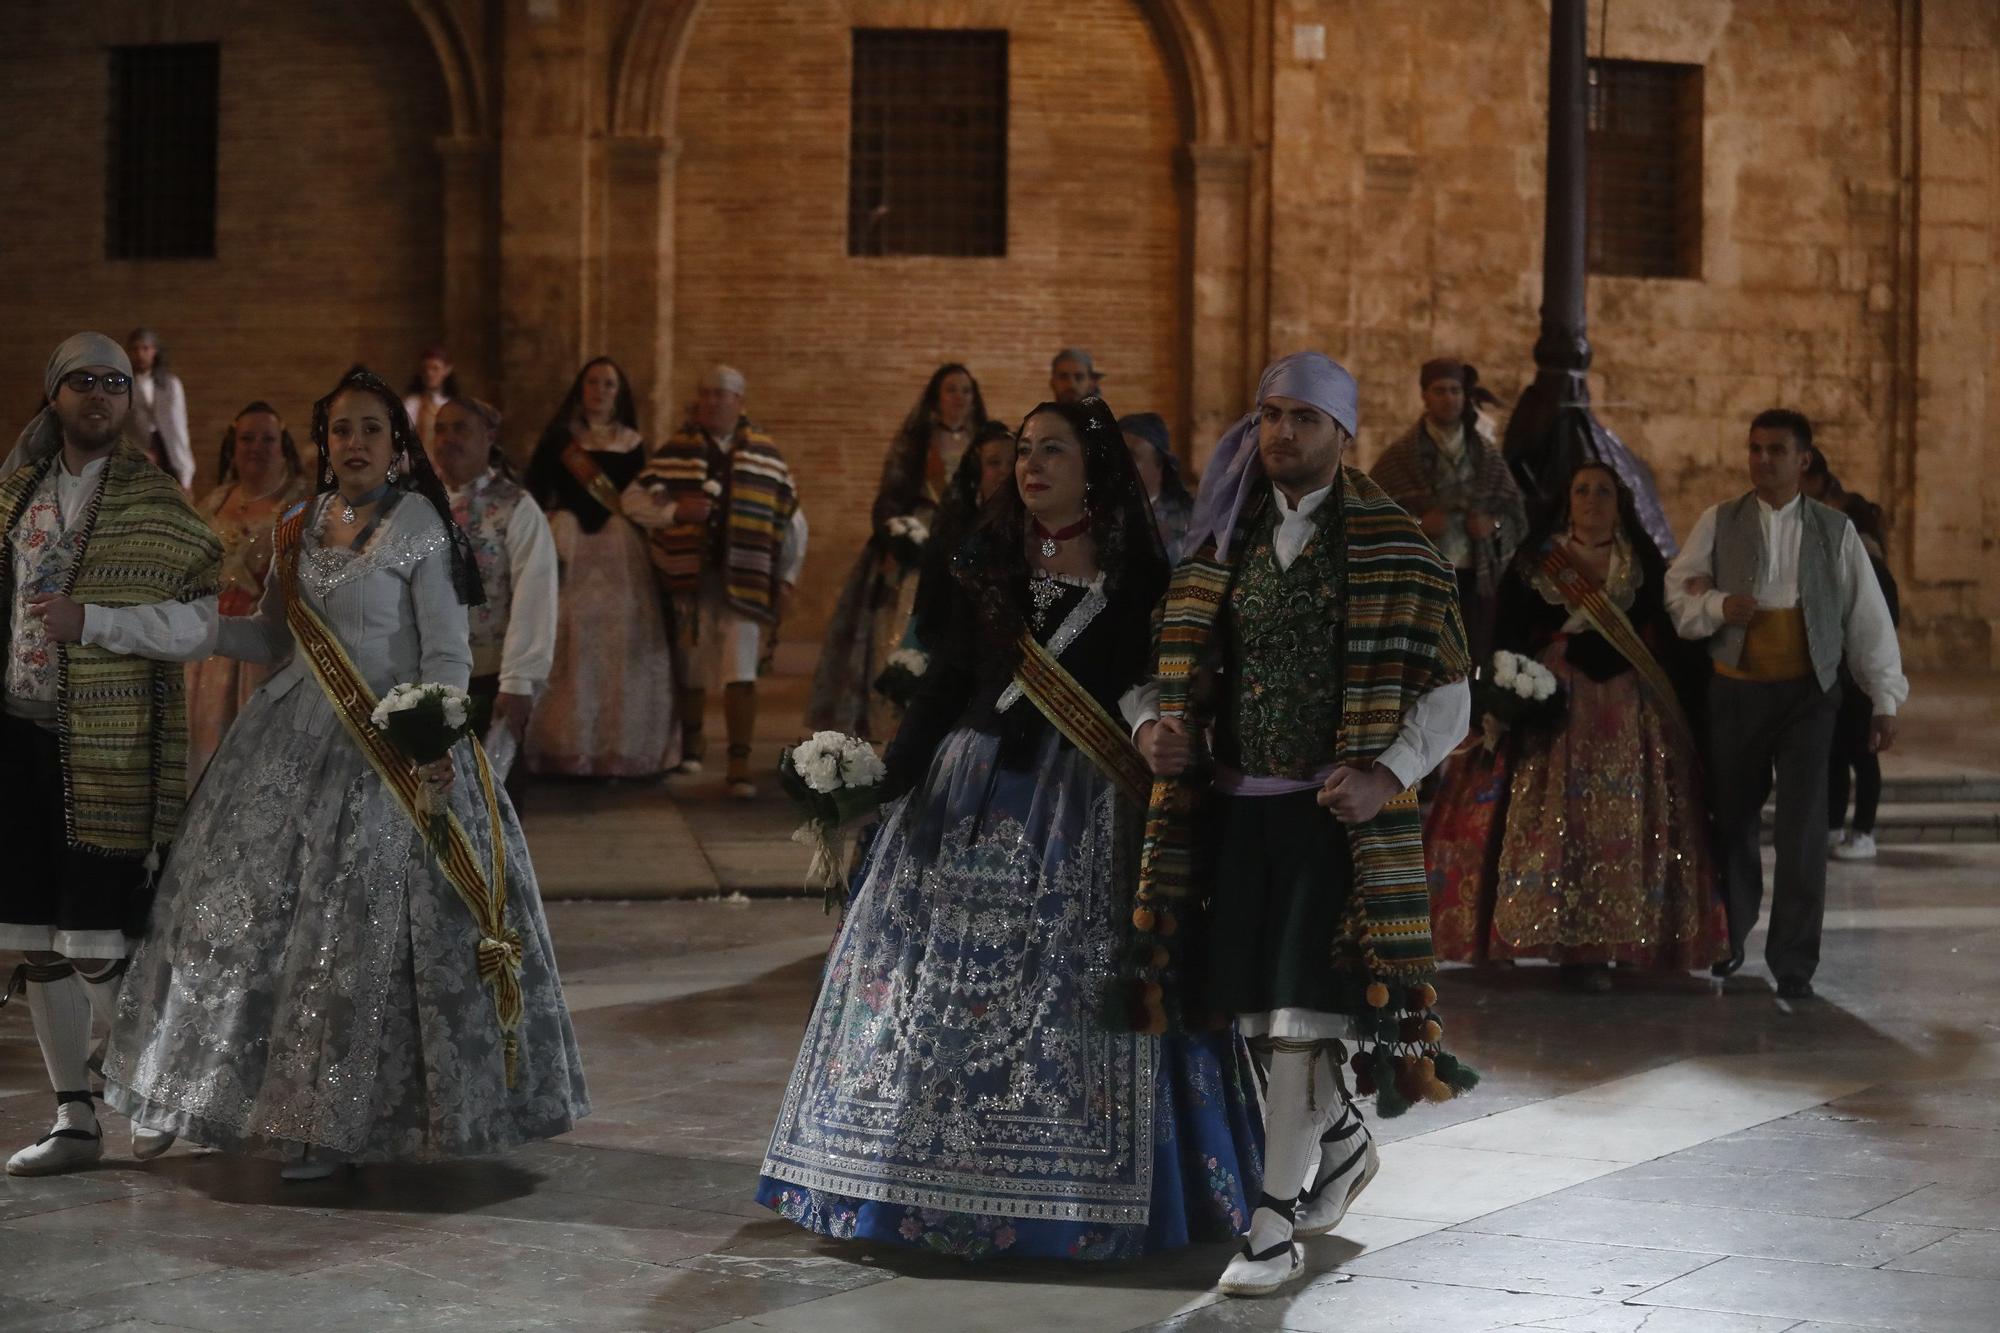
point(159, 196)
point(1645, 140)
point(927, 149)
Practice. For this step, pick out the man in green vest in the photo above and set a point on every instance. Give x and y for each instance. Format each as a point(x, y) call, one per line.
point(1780, 587)
point(1312, 670)
point(105, 567)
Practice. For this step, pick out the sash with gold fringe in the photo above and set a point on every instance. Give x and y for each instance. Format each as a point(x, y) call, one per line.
point(1073, 711)
point(591, 477)
point(1583, 595)
point(484, 895)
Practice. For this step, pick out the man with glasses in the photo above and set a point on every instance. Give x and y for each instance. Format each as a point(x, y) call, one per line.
point(107, 583)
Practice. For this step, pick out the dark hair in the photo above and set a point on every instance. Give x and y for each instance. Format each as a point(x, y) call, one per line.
point(434, 351)
point(1152, 428)
point(226, 465)
point(416, 472)
point(625, 413)
point(992, 566)
point(159, 348)
point(913, 437)
point(1652, 563)
point(956, 513)
point(1784, 419)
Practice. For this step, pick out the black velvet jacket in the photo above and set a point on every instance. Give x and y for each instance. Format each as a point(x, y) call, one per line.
point(969, 671)
point(1526, 623)
point(556, 488)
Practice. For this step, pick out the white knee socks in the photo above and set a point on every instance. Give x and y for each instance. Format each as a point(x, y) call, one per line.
point(1291, 1131)
point(61, 1013)
point(101, 982)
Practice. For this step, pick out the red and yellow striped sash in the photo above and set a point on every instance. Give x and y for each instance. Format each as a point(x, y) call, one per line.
point(590, 476)
point(484, 894)
point(1082, 721)
point(1583, 595)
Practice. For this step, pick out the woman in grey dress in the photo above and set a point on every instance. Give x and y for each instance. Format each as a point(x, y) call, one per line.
point(310, 983)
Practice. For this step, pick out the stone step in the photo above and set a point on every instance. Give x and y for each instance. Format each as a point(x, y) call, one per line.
point(1931, 821)
point(1936, 790)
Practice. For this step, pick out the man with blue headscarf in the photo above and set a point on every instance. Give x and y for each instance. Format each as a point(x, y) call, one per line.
point(1312, 670)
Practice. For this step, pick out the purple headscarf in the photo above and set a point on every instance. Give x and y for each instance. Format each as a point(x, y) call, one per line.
point(1236, 469)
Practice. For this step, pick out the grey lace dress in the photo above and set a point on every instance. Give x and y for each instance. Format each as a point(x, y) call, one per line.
point(308, 982)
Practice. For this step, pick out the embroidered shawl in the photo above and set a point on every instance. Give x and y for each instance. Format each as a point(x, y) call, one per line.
point(1403, 637)
point(122, 720)
point(761, 503)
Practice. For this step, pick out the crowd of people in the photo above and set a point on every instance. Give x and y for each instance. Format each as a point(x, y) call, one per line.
point(1152, 904)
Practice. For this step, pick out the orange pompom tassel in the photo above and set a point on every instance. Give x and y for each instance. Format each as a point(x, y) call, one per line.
point(1377, 994)
point(1159, 958)
point(1142, 919)
point(1168, 925)
point(1423, 995)
point(1433, 1031)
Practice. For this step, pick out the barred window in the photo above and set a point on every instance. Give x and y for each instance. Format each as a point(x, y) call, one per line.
point(927, 154)
point(159, 195)
point(1644, 211)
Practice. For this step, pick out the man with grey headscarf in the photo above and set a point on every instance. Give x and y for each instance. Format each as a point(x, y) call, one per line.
point(1312, 670)
point(1073, 376)
point(107, 583)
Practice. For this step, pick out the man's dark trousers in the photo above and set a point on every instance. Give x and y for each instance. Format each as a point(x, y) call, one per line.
point(1757, 727)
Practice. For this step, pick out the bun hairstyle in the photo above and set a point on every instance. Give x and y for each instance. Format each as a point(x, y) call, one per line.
point(413, 471)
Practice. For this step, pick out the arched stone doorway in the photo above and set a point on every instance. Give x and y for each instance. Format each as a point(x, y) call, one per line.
point(728, 240)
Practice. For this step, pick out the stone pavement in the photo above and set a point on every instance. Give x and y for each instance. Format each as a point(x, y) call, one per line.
point(683, 838)
point(1669, 1157)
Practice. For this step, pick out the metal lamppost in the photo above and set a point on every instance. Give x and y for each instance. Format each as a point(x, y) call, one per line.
point(1552, 428)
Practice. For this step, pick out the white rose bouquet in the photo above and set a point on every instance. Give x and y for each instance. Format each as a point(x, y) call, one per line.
point(905, 536)
point(1518, 691)
point(901, 675)
point(425, 722)
point(833, 779)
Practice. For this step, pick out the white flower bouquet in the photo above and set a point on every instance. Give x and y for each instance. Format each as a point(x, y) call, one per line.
point(901, 675)
point(424, 722)
point(1518, 691)
point(833, 779)
point(904, 537)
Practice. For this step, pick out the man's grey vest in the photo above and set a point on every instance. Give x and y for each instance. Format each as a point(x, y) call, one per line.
point(1739, 554)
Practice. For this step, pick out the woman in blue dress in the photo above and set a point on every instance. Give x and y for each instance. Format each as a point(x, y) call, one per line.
point(967, 1083)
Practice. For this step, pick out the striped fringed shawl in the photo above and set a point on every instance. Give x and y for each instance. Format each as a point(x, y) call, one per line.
point(761, 505)
point(122, 720)
point(1403, 637)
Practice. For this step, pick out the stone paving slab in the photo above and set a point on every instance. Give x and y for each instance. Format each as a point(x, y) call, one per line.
point(1672, 1157)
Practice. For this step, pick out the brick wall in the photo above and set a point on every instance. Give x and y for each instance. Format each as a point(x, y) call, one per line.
point(837, 349)
point(1392, 206)
point(1406, 221)
point(327, 227)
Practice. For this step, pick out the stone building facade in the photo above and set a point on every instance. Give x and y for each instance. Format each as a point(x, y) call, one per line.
point(1194, 185)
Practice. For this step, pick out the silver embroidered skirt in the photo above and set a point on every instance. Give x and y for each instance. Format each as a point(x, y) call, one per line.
point(309, 982)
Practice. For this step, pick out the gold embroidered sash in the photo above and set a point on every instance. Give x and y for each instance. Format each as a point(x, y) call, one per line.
point(1586, 597)
point(1082, 721)
point(590, 476)
point(484, 895)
